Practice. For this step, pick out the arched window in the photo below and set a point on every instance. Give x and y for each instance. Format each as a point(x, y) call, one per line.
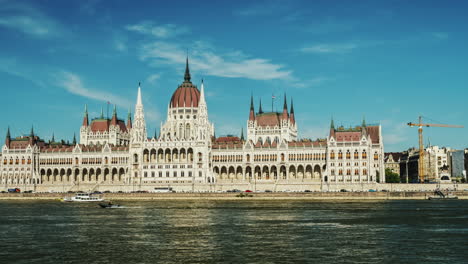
point(364, 154)
point(356, 154)
point(340, 155)
point(135, 158)
point(332, 154)
point(348, 155)
point(376, 156)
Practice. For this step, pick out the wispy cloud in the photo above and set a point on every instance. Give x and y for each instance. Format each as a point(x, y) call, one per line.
point(10, 66)
point(28, 19)
point(160, 31)
point(440, 35)
point(329, 48)
point(153, 78)
point(206, 59)
point(73, 84)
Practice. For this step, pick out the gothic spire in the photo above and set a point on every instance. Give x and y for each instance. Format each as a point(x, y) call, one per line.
point(292, 119)
point(332, 124)
point(260, 111)
point(32, 132)
point(155, 133)
point(363, 121)
point(187, 71)
point(102, 113)
point(129, 119)
point(285, 109)
point(242, 134)
point(53, 137)
point(8, 138)
point(114, 116)
point(252, 111)
point(139, 95)
point(85, 117)
point(74, 138)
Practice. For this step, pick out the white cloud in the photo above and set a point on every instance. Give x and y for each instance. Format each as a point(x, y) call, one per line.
point(28, 20)
point(440, 35)
point(159, 31)
point(73, 84)
point(329, 48)
point(207, 60)
point(153, 78)
point(120, 45)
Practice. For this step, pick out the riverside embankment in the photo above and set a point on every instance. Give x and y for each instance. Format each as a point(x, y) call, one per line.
point(235, 196)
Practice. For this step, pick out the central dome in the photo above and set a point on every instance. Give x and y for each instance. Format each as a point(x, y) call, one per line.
point(187, 94)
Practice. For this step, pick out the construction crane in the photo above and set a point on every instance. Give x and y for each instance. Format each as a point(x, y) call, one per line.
point(421, 146)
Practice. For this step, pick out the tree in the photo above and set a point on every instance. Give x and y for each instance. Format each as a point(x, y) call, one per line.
point(391, 177)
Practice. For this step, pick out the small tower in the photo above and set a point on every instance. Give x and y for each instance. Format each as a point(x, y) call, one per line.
point(332, 127)
point(74, 138)
point(242, 134)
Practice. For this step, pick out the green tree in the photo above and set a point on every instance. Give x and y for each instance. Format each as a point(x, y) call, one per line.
point(391, 177)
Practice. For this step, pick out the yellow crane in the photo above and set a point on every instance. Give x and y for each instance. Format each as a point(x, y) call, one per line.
point(421, 146)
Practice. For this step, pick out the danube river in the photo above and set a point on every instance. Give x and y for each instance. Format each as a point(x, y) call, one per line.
point(235, 232)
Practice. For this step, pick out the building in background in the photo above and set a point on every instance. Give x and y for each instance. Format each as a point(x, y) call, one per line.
point(392, 161)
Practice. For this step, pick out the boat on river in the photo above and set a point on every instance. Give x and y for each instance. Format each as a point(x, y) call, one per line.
point(109, 205)
point(439, 195)
point(84, 197)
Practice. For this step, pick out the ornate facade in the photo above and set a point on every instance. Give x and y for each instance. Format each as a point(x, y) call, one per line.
point(114, 155)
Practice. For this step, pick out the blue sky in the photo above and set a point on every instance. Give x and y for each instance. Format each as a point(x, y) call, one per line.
point(389, 61)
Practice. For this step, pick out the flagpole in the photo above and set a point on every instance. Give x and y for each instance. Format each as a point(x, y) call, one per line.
point(272, 99)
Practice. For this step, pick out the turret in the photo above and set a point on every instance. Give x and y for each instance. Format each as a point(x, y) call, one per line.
point(85, 118)
point(252, 110)
point(285, 115)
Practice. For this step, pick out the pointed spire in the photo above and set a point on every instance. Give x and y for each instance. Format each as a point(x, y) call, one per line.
point(187, 71)
point(285, 109)
point(242, 134)
point(129, 119)
point(155, 133)
point(53, 137)
point(74, 138)
point(363, 121)
point(364, 126)
point(102, 113)
point(260, 111)
point(85, 117)
point(139, 95)
point(332, 124)
point(292, 119)
point(32, 132)
point(202, 93)
point(114, 116)
point(8, 137)
point(252, 111)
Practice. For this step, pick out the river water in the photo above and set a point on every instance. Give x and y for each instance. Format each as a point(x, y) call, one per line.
point(235, 232)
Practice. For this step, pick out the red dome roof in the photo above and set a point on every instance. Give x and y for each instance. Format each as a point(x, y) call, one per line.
point(187, 95)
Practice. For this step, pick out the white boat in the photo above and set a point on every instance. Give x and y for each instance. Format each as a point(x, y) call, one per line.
point(84, 197)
